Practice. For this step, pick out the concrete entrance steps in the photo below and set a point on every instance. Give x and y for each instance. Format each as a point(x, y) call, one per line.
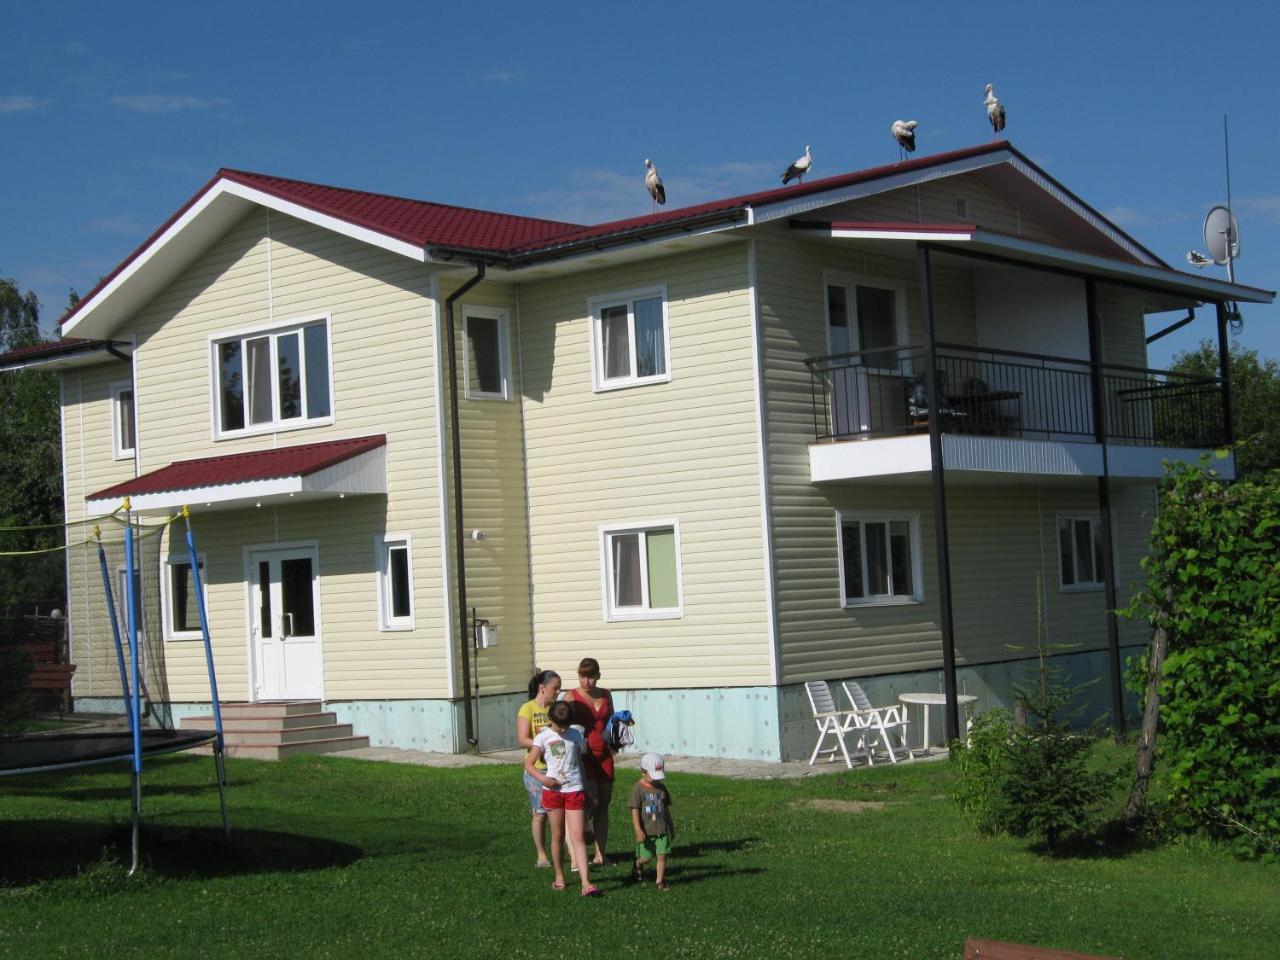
point(279, 729)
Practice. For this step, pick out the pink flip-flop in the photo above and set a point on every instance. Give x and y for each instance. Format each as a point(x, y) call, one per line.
point(557, 884)
point(591, 891)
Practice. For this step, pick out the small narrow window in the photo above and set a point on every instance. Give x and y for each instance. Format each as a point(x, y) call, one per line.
point(1080, 553)
point(642, 572)
point(486, 354)
point(630, 339)
point(122, 419)
point(879, 559)
point(395, 582)
point(962, 208)
point(182, 621)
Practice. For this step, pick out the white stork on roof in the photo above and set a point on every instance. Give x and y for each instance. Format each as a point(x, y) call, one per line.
point(798, 169)
point(904, 131)
point(995, 110)
point(653, 183)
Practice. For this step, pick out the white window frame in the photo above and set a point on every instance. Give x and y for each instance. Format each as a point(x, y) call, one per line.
point(595, 307)
point(1095, 520)
point(167, 601)
point(613, 613)
point(917, 558)
point(120, 451)
point(274, 331)
point(504, 351)
point(851, 281)
point(382, 546)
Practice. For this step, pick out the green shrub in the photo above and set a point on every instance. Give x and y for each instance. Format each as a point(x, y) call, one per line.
point(981, 763)
point(16, 702)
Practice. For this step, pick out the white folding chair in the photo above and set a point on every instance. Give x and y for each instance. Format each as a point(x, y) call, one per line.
point(831, 721)
point(875, 723)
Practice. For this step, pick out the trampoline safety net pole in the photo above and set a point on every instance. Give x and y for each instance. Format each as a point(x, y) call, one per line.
point(135, 707)
point(197, 583)
point(111, 614)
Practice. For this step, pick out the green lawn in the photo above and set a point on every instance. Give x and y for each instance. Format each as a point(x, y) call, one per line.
point(341, 858)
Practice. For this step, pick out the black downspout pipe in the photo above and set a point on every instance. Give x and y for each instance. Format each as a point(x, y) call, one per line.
point(1224, 371)
point(456, 449)
point(1104, 504)
point(115, 352)
point(934, 389)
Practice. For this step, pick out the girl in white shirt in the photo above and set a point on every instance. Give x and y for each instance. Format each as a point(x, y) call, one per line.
point(563, 796)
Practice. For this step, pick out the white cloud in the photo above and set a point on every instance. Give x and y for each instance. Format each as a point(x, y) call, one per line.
point(123, 224)
point(601, 195)
point(21, 104)
point(500, 76)
point(160, 103)
point(1266, 209)
point(1144, 216)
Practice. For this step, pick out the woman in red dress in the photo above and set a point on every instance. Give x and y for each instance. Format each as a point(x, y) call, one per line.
point(592, 708)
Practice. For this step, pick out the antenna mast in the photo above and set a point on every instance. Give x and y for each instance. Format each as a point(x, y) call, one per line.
point(1232, 239)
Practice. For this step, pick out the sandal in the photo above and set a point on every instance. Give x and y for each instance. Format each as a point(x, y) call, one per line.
point(662, 885)
point(543, 864)
point(557, 884)
point(591, 891)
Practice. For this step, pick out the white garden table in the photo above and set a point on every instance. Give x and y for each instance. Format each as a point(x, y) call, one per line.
point(928, 700)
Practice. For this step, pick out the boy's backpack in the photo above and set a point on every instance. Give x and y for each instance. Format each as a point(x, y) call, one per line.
point(617, 732)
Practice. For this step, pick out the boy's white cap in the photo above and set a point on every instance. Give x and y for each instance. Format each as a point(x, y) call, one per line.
point(653, 765)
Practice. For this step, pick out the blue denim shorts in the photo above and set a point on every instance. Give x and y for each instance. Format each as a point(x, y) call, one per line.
point(534, 789)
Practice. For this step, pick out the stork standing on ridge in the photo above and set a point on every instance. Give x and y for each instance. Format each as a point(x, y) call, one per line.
point(653, 183)
point(995, 111)
point(798, 169)
point(904, 131)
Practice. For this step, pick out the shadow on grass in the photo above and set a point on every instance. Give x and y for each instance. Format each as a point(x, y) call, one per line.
point(122, 793)
point(714, 846)
point(1111, 840)
point(38, 850)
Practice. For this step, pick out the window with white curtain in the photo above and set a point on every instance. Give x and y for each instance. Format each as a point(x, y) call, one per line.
point(641, 566)
point(879, 558)
point(630, 342)
point(273, 379)
point(1080, 553)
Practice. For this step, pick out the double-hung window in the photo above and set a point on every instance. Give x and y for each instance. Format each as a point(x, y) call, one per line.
point(1080, 553)
point(641, 565)
point(122, 419)
point(395, 582)
point(273, 379)
point(486, 354)
point(629, 338)
point(181, 615)
point(879, 558)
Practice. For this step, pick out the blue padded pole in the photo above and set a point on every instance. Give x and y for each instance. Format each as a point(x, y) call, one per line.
point(135, 708)
point(115, 623)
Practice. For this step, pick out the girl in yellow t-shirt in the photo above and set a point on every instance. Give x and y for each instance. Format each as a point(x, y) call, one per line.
point(544, 688)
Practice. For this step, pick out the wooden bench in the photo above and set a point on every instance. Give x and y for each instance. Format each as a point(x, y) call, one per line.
point(975, 949)
point(47, 673)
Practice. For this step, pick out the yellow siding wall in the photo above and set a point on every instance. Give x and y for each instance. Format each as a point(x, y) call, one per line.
point(268, 269)
point(685, 450)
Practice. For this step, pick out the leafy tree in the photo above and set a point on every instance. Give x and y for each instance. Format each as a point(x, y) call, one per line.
point(1255, 402)
point(1212, 596)
point(30, 460)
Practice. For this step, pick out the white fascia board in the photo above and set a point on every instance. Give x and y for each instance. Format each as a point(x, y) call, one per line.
point(845, 234)
point(215, 211)
point(792, 208)
point(67, 361)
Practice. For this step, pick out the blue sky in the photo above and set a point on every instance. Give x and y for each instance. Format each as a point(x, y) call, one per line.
point(112, 115)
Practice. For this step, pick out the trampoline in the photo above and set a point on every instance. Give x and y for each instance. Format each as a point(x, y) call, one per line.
point(51, 752)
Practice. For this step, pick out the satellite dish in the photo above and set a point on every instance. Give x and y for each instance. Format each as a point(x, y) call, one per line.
point(1222, 235)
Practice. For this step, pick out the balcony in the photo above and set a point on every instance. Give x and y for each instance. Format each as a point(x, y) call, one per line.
point(1003, 412)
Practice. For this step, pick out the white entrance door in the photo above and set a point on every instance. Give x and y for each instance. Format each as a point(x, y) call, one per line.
point(284, 610)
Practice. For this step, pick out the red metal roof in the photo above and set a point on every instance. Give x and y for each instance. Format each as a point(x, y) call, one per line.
point(299, 461)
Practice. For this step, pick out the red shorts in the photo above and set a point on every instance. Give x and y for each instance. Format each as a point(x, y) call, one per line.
point(564, 800)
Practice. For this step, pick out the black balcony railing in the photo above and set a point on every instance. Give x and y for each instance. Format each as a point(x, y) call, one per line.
point(881, 392)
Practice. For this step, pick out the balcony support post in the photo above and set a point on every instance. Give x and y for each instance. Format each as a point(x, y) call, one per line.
point(1104, 505)
point(934, 390)
point(1224, 371)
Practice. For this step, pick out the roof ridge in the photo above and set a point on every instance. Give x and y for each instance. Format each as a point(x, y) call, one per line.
point(222, 172)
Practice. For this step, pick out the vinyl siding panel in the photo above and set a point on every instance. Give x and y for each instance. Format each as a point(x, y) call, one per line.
point(683, 450)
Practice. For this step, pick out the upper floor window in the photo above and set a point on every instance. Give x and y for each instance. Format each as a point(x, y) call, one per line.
point(879, 558)
point(863, 314)
point(122, 419)
point(642, 571)
point(630, 342)
point(271, 379)
point(486, 354)
point(1080, 553)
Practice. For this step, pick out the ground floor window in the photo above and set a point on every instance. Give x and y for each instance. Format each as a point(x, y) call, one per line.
point(181, 616)
point(1080, 553)
point(641, 567)
point(395, 582)
point(879, 558)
